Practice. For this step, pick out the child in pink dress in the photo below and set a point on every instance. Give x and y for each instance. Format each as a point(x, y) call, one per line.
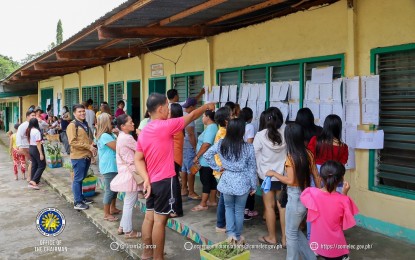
point(330, 213)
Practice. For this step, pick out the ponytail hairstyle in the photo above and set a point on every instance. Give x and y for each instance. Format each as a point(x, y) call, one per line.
point(297, 152)
point(233, 143)
point(33, 123)
point(332, 173)
point(273, 121)
point(332, 129)
point(261, 121)
point(210, 114)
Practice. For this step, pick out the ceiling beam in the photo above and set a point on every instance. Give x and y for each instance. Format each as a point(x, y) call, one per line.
point(53, 71)
point(156, 31)
point(193, 10)
point(99, 53)
point(246, 10)
point(69, 63)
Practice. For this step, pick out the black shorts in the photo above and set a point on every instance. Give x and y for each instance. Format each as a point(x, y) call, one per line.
point(162, 197)
point(208, 180)
point(275, 185)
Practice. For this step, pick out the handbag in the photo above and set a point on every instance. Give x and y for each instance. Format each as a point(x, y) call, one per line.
point(195, 168)
point(123, 182)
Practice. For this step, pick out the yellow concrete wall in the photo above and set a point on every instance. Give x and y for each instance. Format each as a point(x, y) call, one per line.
point(92, 77)
point(27, 101)
point(381, 23)
point(300, 35)
point(71, 81)
point(124, 70)
point(194, 58)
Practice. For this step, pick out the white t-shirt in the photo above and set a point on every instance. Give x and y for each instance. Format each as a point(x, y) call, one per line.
point(21, 139)
point(249, 132)
point(35, 136)
point(90, 117)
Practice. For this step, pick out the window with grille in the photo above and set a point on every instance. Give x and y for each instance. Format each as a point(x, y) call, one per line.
point(395, 162)
point(115, 91)
point(337, 67)
point(96, 93)
point(254, 75)
point(189, 86)
point(71, 97)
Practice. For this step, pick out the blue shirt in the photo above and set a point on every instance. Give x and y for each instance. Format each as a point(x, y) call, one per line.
point(239, 176)
point(187, 144)
point(208, 136)
point(107, 160)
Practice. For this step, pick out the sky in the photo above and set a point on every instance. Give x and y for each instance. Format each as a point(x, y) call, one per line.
point(28, 26)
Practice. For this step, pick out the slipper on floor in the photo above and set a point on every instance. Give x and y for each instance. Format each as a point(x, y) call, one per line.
point(199, 208)
point(35, 187)
point(116, 212)
point(111, 219)
point(120, 231)
point(132, 235)
point(212, 204)
point(266, 242)
point(194, 197)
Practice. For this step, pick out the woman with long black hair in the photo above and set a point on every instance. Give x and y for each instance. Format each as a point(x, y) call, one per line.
point(305, 118)
point(299, 166)
point(271, 153)
point(36, 152)
point(239, 175)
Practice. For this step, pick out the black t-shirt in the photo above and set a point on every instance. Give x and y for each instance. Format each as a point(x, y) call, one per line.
point(64, 125)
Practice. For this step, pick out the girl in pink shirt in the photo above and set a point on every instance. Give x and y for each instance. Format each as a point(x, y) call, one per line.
point(329, 222)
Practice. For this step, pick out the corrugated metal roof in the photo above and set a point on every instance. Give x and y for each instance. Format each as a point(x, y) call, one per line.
point(155, 11)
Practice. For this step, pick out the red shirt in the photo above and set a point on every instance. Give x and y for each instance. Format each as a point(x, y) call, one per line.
point(338, 153)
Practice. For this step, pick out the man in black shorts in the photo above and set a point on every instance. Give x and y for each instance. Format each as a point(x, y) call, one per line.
point(155, 163)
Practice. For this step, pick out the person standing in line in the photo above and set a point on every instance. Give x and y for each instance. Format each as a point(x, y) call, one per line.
point(173, 96)
point(189, 153)
point(22, 143)
point(34, 137)
point(103, 109)
point(89, 116)
point(120, 108)
point(205, 140)
point(222, 117)
point(66, 119)
point(82, 149)
point(305, 118)
point(178, 139)
point(107, 143)
point(299, 168)
point(41, 118)
point(247, 115)
point(154, 160)
point(238, 178)
point(126, 170)
point(271, 153)
point(329, 222)
point(18, 159)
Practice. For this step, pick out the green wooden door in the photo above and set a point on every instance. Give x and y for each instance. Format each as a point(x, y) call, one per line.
point(46, 94)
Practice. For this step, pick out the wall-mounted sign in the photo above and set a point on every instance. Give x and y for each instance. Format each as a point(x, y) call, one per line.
point(157, 70)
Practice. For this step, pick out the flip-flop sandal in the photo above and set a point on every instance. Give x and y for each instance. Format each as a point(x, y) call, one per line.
point(212, 204)
point(131, 236)
point(194, 197)
point(116, 212)
point(111, 219)
point(199, 208)
point(266, 242)
point(33, 187)
point(120, 231)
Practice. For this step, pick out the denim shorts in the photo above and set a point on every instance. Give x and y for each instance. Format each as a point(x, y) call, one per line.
point(109, 195)
point(188, 155)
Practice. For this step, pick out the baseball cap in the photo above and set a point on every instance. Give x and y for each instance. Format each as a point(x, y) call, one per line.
point(189, 102)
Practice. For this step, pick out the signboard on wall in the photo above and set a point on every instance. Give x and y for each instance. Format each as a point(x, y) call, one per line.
point(157, 70)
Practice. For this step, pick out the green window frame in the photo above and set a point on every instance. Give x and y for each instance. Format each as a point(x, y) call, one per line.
point(247, 73)
point(71, 97)
point(392, 169)
point(189, 85)
point(115, 94)
point(96, 93)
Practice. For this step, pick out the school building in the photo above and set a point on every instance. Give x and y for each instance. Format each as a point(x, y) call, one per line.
point(151, 46)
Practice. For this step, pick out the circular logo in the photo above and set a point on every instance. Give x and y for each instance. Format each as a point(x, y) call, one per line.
point(50, 222)
point(314, 246)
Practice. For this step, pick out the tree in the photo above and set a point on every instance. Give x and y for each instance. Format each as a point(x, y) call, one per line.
point(7, 66)
point(59, 33)
point(30, 57)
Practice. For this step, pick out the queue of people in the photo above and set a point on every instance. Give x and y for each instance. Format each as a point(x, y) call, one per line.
point(298, 160)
